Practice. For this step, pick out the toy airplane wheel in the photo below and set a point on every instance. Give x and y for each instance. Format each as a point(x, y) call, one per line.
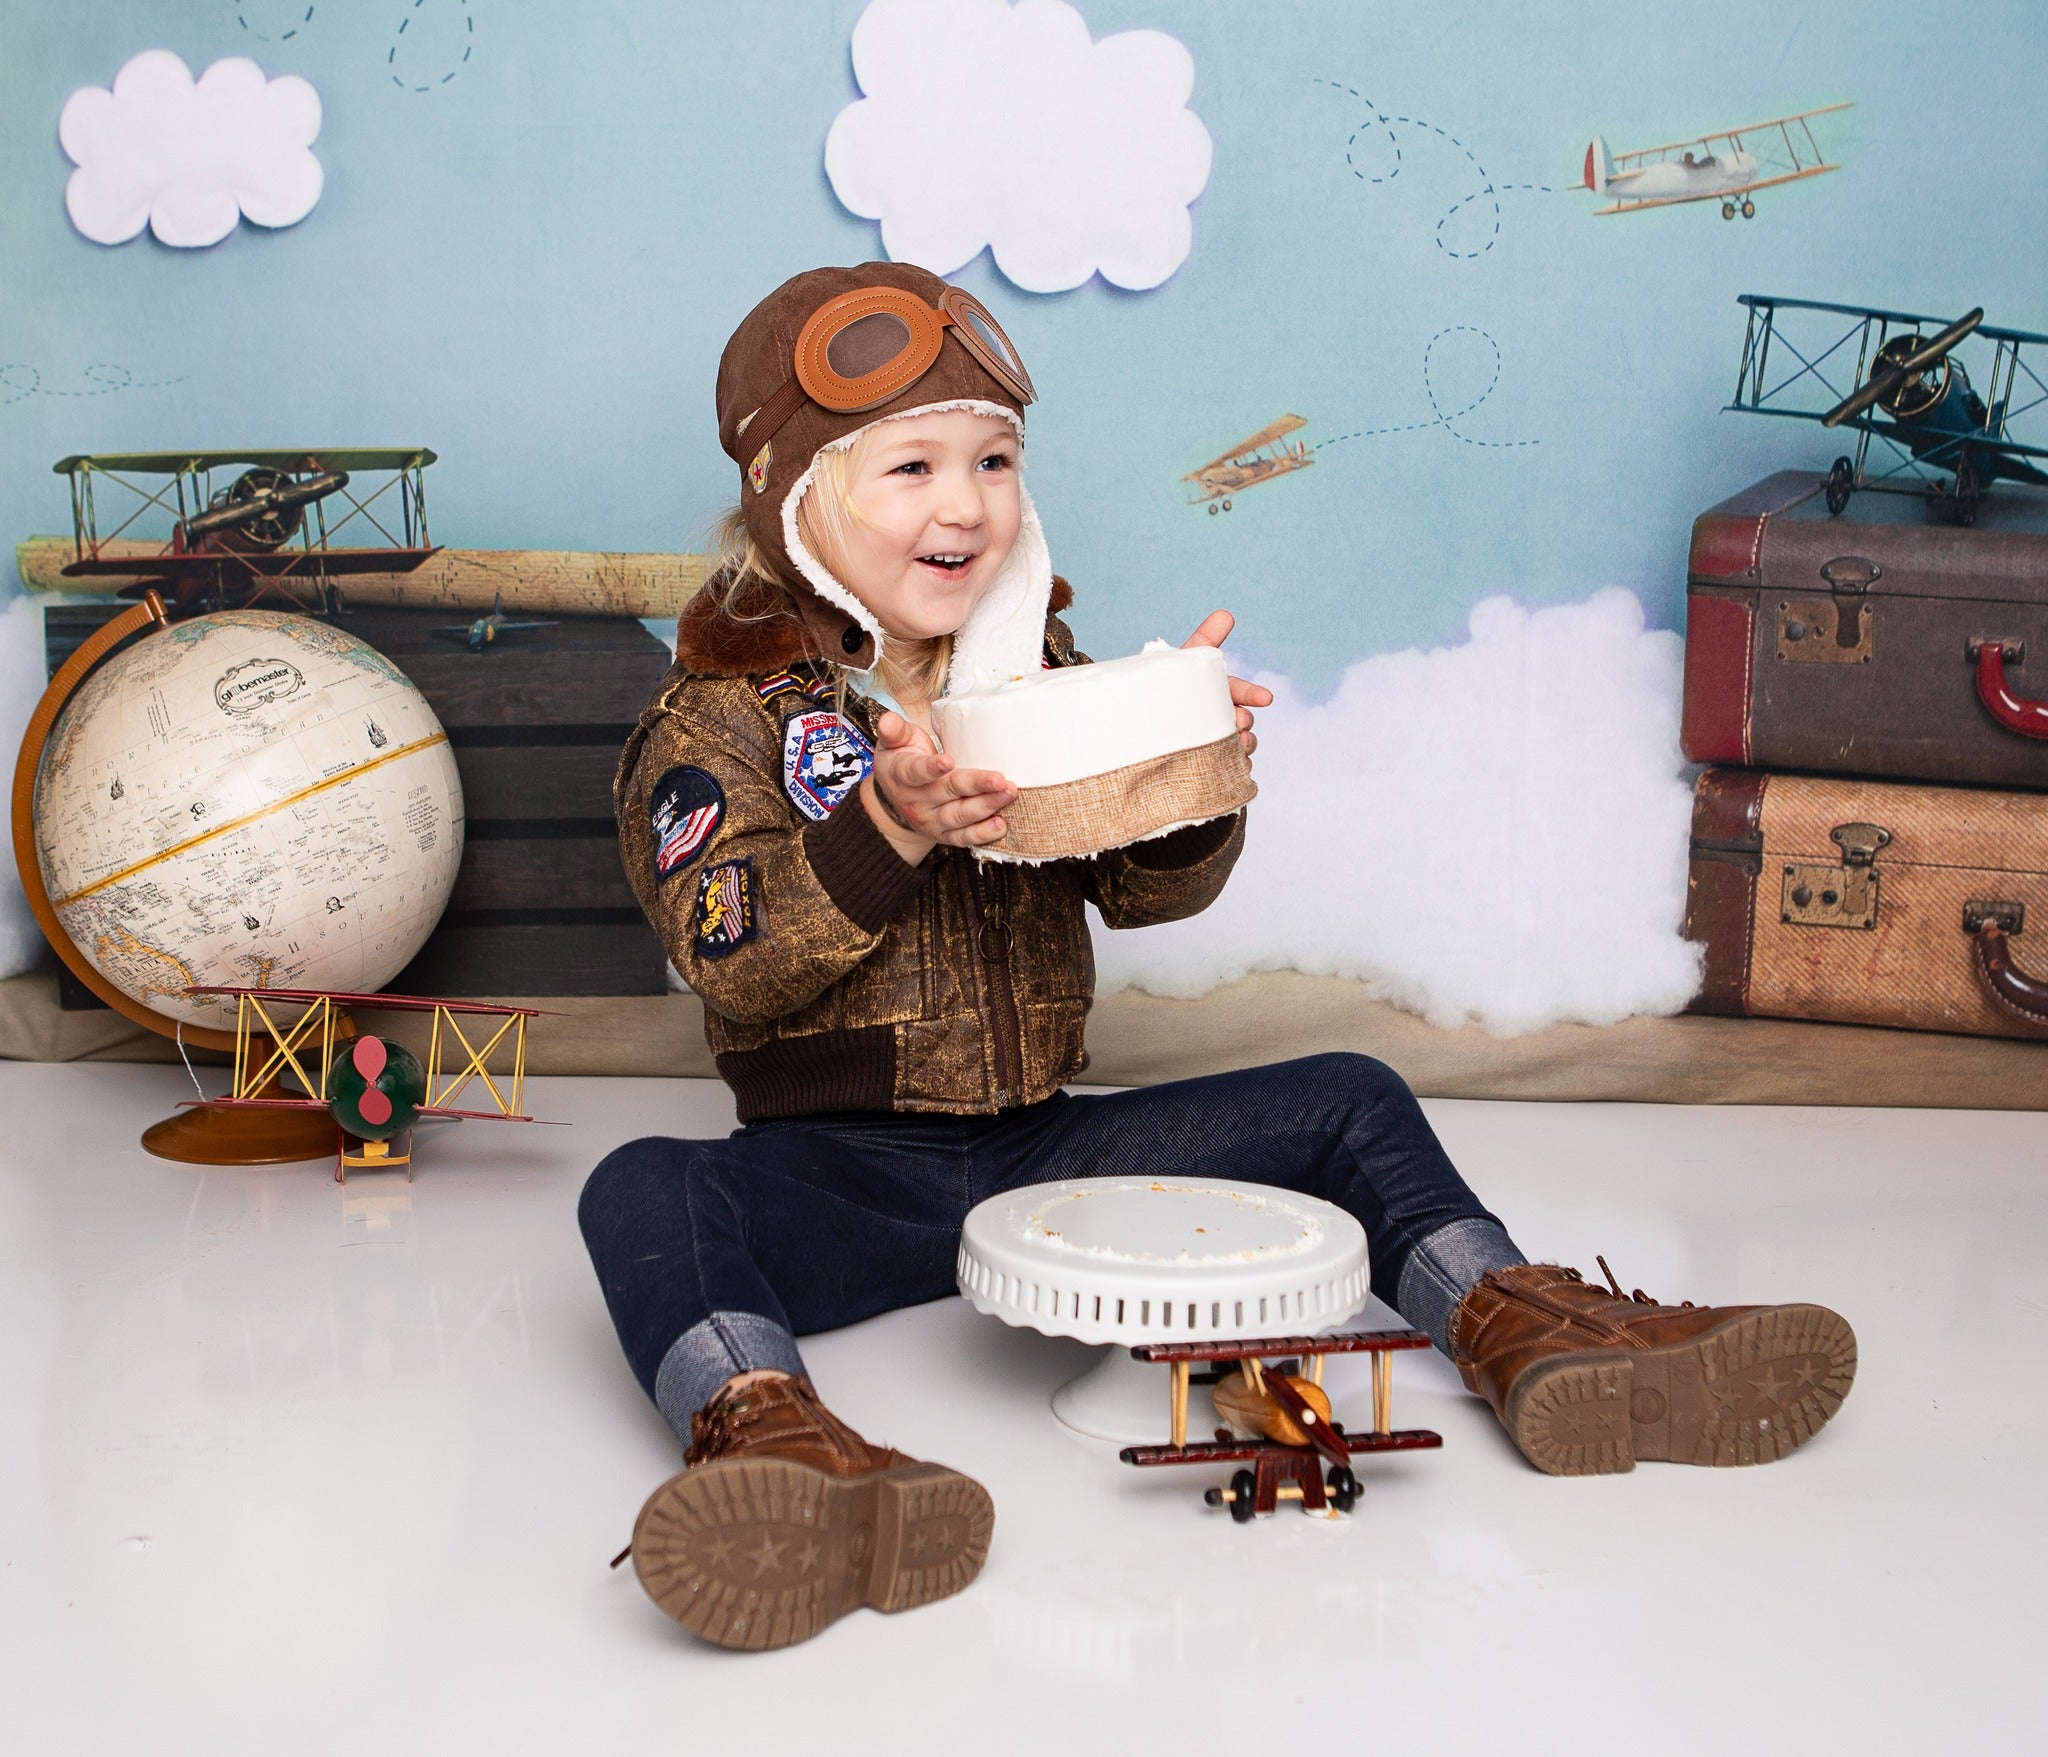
point(1749, 210)
point(1343, 1488)
point(1727, 210)
point(1841, 484)
point(1244, 1496)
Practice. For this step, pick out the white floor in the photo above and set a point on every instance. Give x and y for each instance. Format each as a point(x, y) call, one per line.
point(292, 1468)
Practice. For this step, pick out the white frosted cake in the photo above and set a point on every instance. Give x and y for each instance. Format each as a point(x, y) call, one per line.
point(1104, 754)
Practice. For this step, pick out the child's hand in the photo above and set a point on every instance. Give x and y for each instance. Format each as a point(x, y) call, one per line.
point(1215, 630)
point(918, 799)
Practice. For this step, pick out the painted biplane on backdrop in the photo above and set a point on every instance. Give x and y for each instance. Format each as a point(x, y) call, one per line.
point(1903, 387)
point(1258, 458)
point(1728, 165)
point(246, 527)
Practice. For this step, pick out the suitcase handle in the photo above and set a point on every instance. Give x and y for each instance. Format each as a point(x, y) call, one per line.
point(2010, 987)
point(2016, 713)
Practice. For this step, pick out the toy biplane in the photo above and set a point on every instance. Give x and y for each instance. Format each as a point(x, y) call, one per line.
point(485, 629)
point(246, 526)
point(1756, 156)
point(1907, 390)
point(269, 1044)
point(1282, 1471)
point(1249, 462)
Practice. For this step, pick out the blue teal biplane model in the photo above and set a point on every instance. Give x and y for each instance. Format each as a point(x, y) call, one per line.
point(1936, 433)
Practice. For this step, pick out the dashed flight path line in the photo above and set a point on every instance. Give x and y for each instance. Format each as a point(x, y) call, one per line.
point(1439, 418)
point(1488, 189)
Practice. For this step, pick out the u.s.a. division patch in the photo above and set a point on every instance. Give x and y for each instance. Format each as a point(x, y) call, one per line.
point(684, 812)
point(728, 908)
point(823, 760)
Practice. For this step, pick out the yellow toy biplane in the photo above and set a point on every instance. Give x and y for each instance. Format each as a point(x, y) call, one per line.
point(1249, 462)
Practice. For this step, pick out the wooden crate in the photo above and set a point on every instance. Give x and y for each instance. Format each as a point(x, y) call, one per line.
point(536, 721)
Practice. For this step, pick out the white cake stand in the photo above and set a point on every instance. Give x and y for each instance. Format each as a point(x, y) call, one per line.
point(1126, 1260)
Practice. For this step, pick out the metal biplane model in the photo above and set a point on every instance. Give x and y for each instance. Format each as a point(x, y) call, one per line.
point(1249, 462)
point(1283, 1471)
point(486, 629)
point(1907, 391)
point(282, 526)
point(1756, 156)
point(268, 1046)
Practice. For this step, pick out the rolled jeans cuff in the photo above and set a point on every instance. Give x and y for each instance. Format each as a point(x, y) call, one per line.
point(1447, 1265)
point(719, 1348)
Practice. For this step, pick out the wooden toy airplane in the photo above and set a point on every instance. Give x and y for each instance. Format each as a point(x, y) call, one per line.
point(1282, 1471)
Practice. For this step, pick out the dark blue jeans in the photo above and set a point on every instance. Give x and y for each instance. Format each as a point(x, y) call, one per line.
point(715, 1255)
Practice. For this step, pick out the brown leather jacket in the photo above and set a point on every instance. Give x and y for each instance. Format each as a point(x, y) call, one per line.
point(834, 976)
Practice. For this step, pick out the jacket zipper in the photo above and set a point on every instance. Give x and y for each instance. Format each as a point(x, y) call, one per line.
point(993, 939)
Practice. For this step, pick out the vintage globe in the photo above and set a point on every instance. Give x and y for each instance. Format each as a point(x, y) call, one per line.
point(251, 800)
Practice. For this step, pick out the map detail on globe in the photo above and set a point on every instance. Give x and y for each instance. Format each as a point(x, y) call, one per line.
point(250, 800)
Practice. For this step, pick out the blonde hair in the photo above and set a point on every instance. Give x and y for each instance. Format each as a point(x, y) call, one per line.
point(747, 587)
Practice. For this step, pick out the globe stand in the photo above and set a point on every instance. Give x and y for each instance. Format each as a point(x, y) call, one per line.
point(218, 1134)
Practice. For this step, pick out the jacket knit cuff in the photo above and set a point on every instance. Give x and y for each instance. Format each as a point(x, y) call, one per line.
point(1184, 848)
point(868, 880)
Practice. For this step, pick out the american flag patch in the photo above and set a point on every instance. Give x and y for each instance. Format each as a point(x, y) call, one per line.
point(726, 908)
point(684, 813)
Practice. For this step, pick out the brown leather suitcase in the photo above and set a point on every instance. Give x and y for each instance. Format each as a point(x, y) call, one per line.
point(1870, 904)
point(1877, 643)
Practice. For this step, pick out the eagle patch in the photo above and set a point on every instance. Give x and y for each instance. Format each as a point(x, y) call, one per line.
point(684, 812)
point(728, 908)
point(823, 760)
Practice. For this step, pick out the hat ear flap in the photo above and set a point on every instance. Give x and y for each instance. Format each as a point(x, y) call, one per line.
point(1004, 637)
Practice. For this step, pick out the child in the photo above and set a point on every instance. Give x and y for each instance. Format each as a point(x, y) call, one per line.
point(897, 1020)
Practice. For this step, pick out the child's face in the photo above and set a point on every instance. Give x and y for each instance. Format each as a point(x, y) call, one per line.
point(936, 507)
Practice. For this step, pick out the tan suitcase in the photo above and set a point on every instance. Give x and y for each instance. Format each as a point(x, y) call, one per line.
point(1871, 903)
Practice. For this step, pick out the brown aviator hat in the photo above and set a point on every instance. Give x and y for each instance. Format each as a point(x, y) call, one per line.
point(832, 351)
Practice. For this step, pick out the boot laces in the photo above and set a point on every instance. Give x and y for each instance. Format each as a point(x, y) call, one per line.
point(713, 1428)
point(1639, 1297)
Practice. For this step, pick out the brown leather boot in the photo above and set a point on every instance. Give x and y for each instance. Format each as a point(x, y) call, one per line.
point(786, 1519)
point(1586, 1380)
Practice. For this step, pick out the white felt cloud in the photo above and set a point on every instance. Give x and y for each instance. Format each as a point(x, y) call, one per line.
point(188, 158)
point(1492, 832)
point(988, 125)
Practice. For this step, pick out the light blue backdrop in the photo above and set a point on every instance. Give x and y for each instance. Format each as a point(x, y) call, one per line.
point(531, 266)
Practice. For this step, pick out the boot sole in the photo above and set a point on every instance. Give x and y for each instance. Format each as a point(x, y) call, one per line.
point(1747, 1391)
point(759, 1553)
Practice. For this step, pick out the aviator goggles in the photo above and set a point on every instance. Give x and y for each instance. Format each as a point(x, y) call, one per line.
point(859, 350)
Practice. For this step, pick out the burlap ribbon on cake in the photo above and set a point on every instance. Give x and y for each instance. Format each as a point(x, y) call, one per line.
point(1127, 805)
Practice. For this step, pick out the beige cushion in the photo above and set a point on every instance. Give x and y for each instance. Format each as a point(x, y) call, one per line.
point(1138, 1040)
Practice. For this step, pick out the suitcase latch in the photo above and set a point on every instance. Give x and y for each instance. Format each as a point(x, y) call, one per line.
point(1835, 630)
point(1837, 896)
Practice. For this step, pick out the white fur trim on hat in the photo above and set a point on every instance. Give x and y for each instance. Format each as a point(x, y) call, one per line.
point(1004, 635)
